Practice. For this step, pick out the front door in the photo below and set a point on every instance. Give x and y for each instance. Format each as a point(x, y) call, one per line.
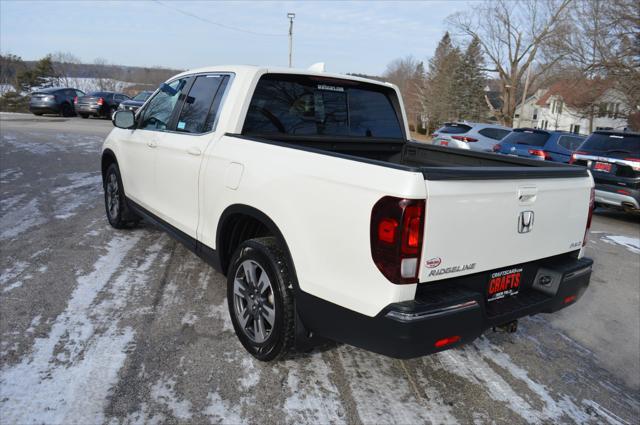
point(140, 145)
point(179, 152)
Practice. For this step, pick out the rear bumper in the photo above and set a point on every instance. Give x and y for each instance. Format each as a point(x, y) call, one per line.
point(51, 108)
point(609, 195)
point(88, 109)
point(453, 308)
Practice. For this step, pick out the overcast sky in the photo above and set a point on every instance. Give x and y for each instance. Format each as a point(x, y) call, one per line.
point(348, 36)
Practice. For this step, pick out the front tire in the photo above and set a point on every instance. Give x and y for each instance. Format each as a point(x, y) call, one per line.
point(260, 298)
point(118, 212)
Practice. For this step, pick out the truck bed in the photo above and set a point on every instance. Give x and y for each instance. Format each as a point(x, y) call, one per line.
point(434, 162)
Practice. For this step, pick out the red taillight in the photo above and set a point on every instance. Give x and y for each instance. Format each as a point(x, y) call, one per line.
point(100, 101)
point(75, 100)
point(464, 139)
point(573, 156)
point(396, 237)
point(387, 230)
point(444, 143)
point(539, 153)
point(636, 165)
point(496, 148)
point(569, 299)
point(447, 341)
point(623, 192)
point(592, 206)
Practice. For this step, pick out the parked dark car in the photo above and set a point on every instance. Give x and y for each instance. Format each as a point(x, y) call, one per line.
point(99, 104)
point(614, 160)
point(135, 103)
point(54, 100)
point(544, 145)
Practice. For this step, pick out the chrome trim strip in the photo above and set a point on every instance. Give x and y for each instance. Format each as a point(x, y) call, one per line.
point(412, 317)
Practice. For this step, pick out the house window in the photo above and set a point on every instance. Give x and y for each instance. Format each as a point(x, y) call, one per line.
point(602, 109)
point(575, 128)
point(559, 107)
point(535, 114)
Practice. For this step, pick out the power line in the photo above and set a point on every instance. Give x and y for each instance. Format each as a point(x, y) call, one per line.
point(229, 27)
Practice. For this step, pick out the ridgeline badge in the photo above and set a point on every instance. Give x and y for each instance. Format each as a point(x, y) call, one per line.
point(453, 269)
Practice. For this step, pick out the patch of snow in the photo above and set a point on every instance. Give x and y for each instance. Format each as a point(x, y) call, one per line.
point(631, 244)
point(377, 388)
point(314, 398)
point(20, 220)
point(189, 319)
point(80, 192)
point(608, 416)
point(162, 392)
point(251, 374)
point(8, 203)
point(41, 390)
point(10, 174)
point(221, 312)
point(219, 410)
point(12, 272)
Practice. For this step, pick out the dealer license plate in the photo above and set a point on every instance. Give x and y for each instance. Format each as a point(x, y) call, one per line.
point(602, 166)
point(505, 283)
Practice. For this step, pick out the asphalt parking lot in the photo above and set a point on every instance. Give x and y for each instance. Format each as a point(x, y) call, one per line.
point(104, 326)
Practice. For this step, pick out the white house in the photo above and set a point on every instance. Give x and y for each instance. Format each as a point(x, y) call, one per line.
point(577, 106)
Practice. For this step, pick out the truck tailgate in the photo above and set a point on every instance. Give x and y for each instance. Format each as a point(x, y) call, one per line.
point(478, 225)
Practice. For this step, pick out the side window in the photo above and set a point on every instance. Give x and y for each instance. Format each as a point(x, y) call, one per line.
point(201, 105)
point(487, 132)
point(570, 143)
point(79, 93)
point(158, 112)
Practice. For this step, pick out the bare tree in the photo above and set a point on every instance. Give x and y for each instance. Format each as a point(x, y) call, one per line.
point(64, 65)
point(512, 34)
point(104, 80)
point(408, 74)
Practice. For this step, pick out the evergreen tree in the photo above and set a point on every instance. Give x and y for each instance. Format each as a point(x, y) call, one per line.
point(37, 76)
point(469, 83)
point(440, 101)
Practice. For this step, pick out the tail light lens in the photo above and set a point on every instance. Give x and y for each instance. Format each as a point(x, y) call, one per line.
point(100, 101)
point(434, 135)
point(496, 148)
point(539, 152)
point(465, 139)
point(397, 227)
point(573, 156)
point(592, 206)
point(636, 163)
point(75, 100)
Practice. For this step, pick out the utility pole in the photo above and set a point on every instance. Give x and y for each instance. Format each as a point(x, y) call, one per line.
point(524, 94)
point(291, 17)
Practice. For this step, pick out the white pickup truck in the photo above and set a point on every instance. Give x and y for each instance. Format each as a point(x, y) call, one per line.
point(305, 190)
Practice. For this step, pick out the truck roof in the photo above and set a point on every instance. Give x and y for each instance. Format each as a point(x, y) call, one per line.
point(259, 70)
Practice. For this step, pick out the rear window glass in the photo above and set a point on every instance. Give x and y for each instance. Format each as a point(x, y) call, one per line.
point(454, 129)
point(527, 137)
point(613, 143)
point(570, 142)
point(309, 106)
point(99, 94)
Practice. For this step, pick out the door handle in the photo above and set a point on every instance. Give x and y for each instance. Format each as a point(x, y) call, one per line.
point(194, 151)
point(152, 143)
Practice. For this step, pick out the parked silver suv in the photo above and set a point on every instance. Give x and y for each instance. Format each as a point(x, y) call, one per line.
point(469, 135)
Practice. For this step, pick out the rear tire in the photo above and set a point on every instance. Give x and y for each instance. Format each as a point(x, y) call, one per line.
point(260, 298)
point(85, 116)
point(66, 110)
point(38, 114)
point(119, 214)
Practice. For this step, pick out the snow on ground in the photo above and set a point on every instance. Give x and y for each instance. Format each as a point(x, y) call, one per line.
point(68, 375)
point(21, 219)
point(631, 244)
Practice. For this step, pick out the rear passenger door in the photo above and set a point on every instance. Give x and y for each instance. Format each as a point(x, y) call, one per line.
point(179, 152)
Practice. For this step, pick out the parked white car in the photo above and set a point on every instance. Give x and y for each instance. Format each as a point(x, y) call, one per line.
point(470, 135)
point(304, 190)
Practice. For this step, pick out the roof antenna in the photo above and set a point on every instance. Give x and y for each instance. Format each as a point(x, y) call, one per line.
point(317, 67)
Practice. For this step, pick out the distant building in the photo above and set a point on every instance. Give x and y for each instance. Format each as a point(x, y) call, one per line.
point(577, 106)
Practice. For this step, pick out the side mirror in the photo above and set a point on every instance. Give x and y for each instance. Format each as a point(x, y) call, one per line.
point(124, 119)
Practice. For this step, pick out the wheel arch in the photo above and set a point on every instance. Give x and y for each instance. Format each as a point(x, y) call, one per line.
point(240, 222)
point(108, 158)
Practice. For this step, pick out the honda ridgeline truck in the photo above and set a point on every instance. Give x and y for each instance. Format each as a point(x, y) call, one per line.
point(305, 190)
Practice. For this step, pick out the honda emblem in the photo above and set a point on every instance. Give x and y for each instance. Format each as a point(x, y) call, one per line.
point(525, 221)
